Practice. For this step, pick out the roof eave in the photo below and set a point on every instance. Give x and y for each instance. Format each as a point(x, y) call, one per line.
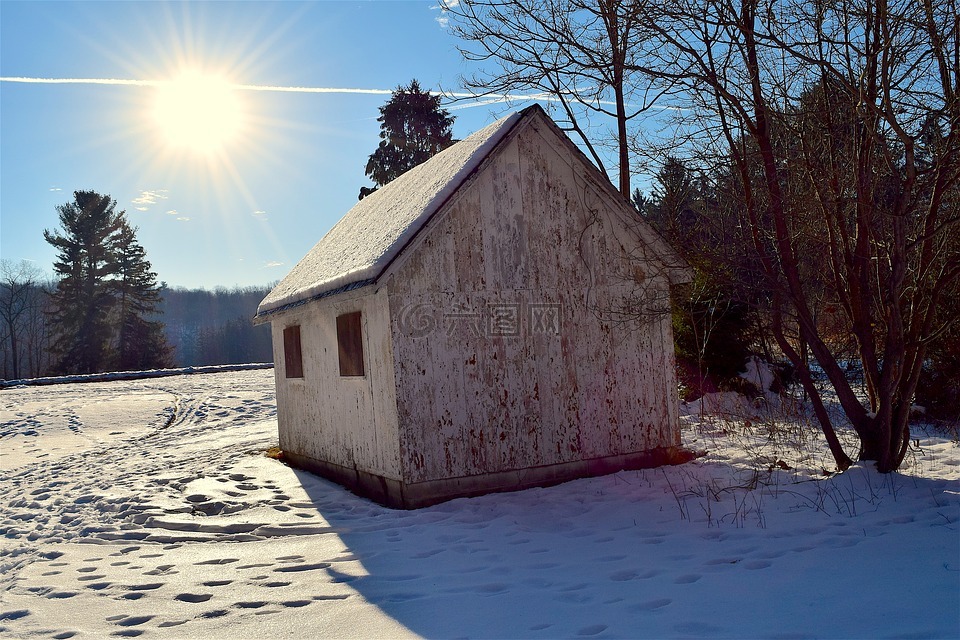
point(267, 314)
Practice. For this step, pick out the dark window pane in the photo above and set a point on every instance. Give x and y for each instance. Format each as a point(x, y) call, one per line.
point(350, 343)
point(292, 356)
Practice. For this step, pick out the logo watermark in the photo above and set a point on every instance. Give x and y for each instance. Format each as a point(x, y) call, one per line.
point(499, 319)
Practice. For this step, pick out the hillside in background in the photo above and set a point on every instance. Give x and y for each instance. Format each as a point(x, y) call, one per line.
point(215, 327)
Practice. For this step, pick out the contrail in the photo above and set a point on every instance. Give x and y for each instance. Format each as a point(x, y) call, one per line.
point(486, 99)
point(261, 87)
point(481, 100)
point(116, 81)
point(161, 83)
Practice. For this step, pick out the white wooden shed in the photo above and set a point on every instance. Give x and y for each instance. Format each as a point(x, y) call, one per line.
point(491, 320)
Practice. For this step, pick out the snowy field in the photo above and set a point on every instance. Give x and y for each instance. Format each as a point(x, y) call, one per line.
point(148, 508)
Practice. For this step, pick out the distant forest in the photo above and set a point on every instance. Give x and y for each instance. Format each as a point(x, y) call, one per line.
point(215, 327)
point(203, 327)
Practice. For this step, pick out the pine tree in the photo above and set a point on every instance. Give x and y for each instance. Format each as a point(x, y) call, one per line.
point(105, 291)
point(140, 343)
point(413, 128)
point(83, 298)
point(710, 324)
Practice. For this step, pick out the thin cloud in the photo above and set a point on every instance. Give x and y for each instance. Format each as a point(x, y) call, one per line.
point(55, 189)
point(443, 7)
point(273, 264)
point(148, 198)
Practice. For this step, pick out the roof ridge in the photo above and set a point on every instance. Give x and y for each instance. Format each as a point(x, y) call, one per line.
point(367, 239)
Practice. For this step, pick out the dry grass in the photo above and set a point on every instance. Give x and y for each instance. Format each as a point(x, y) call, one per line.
point(274, 453)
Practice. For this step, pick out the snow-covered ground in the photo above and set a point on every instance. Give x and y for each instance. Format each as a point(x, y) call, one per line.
point(147, 508)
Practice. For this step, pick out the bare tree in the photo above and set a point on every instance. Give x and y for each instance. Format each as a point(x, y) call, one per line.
point(20, 302)
point(576, 53)
point(842, 123)
point(839, 123)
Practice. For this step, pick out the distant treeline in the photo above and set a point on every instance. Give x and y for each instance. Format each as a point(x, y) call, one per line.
point(215, 327)
point(203, 327)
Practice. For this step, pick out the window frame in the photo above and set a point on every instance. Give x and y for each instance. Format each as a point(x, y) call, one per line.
point(350, 345)
point(292, 352)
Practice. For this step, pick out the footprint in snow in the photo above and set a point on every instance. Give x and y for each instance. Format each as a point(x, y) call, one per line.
point(615, 558)
point(218, 561)
point(492, 588)
point(133, 621)
point(161, 570)
point(14, 615)
point(652, 605)
point(303, 567)
point(296, 603)
point(216, 613)
point(720, 562)
point(171, 623)
point(623, 576)
point(193, 597)
point(592, 630)
point(217, 583)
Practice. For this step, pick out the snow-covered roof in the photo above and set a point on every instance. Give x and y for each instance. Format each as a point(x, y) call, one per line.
point(366, 240)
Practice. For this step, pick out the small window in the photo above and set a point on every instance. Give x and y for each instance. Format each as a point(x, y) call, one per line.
point(292, 355)
point(350, 344)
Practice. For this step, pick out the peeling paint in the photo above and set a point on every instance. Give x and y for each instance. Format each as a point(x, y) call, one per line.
point(493, 340)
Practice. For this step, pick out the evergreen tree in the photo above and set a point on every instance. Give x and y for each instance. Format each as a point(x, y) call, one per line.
point(710, 321)
point(83, 299)
point(413, 128)
point(140, 343)
point(105, 291)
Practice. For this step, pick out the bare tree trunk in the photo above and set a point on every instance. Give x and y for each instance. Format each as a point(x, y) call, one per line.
point(891, 231)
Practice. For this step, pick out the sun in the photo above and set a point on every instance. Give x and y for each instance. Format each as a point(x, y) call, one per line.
point(197, 112)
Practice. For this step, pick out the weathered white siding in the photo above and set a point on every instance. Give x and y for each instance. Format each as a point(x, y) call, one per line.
point(350, 422)
point(533, 248)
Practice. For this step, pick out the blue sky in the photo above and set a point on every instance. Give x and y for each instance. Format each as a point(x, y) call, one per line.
point(245, 214)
